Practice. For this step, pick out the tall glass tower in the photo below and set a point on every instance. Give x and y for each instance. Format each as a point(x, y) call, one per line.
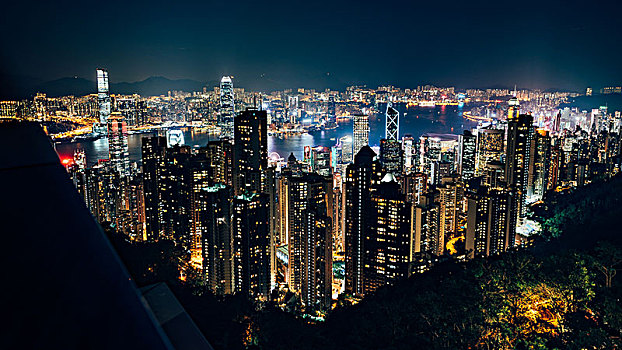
point(103, 95)
point(392, 122)
point(227, 109)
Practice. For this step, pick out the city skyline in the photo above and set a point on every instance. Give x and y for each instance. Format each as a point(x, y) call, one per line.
point(348, 219)
point(311, 175)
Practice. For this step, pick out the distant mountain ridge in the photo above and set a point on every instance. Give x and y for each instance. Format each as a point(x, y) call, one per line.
point(17, 88)
point(14, 87)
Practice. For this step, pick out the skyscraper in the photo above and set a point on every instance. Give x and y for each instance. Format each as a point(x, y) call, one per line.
point(488, 230)
point(118, 151)
point(490, 146)
point(346, 149)
point(174, 194)
point(212, 222)
point(251, 245)
point(556, 163)
point(250, 150)
point(226, 111)
point(519, 138)
point(387, 243)
point(538, 174)
point(152, 149)
point(392, 123)
point(410, 153)
point(391, 156)
point(321, 161)
point(308, 203)
point(103, 95)
point(451, 194)
point(199, 176)
point(466, 155)
point(513, 108)
point(426, 227)
point(360, 177)
point(102, 188)
point(219, 154)
point(331, 113)
point(360, 132)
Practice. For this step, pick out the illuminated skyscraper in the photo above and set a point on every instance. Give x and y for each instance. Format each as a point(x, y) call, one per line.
point(410, 153)
point(413, 186)
point(174, 194)
point(513, 109)
point(199, 177)
point(488, 230)
point(556, 163)
point(321, 161)
point(103, 185)
point(226, 110)
point(250, 150)
point(360, 132)
point(539, 168)
point(489, 148)
point(391, 156)
point(426, 227)
point(308, 203)
point(519, 138)
point(437, 148)
point(117, 145)
point(466, 155)
point(346, 149)
point(360, 177)
point(392, 123)
point(387, 243)
point(331, 113)
point(451, 194)
point(212, 222)
point(251, 245)
point(219, 154)
point(103, 95)
point(153, 149)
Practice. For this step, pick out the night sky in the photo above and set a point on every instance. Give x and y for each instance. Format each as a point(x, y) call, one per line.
point(560, 44)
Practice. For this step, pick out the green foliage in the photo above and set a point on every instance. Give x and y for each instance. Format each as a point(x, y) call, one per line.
point(518, 301)
point(581, 211)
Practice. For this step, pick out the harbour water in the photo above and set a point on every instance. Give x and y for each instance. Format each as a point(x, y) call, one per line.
point(414, 121)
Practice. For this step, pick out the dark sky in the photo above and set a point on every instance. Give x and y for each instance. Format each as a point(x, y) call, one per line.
point(561, 44)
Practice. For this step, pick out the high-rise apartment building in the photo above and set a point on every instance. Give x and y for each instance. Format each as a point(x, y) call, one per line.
point(392, 156)
point(387, 243)
point(152, 149)
point(251, 245)
point(519, 137)
point(118, 151)
point(360, 132)
point(360, 177)
point(488, 230)
point(308, 225)
point(250, 151)
point(212, 223)
point(466, 155)
point(490, 147)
